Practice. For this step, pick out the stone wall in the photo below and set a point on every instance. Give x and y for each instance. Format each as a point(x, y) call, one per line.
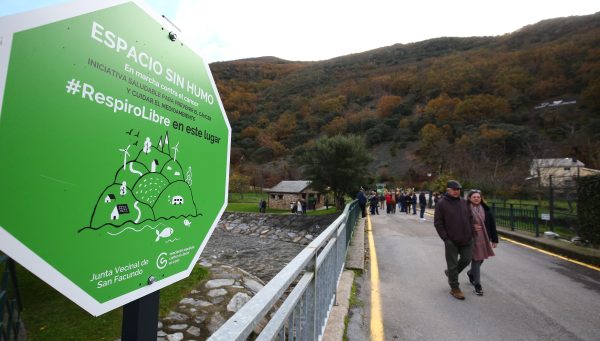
point(284, 202)
point(284, 227)
point(287, 198)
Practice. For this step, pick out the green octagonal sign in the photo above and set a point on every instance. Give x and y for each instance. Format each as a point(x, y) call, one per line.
point(114, 148)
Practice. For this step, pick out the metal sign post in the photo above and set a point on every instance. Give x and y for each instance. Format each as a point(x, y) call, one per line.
point(140, 318)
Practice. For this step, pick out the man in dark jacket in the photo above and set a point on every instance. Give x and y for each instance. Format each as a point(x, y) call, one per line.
point(374, 202)
point(422, 204)
point(362, 201)
point(452, 220)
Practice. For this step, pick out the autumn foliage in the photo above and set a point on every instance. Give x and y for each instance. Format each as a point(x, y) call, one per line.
point(448, 105)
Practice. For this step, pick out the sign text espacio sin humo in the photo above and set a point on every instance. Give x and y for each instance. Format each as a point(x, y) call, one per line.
point(120, 45)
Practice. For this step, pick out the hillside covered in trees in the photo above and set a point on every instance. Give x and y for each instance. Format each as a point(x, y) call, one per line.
point(479, 108)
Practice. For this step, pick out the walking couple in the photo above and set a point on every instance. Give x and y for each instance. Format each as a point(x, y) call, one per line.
point(468, 230)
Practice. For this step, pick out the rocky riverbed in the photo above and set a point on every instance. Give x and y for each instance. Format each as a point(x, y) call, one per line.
point(245, 251)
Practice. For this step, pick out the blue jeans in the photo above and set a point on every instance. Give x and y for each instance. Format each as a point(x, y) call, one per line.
point(476, 271)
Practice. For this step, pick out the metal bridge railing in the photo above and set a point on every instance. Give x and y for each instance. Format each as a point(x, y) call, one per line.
point(10, 302)
point(304, 312)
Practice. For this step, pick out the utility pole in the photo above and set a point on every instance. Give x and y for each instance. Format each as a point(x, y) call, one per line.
point(551, 202)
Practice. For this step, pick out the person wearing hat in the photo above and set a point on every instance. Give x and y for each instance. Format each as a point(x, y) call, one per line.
point(452, 220)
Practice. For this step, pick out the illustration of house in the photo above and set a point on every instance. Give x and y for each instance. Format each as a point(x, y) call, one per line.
point(118, 210)
point(109, 198)
point(114, 214)
point(177, 200)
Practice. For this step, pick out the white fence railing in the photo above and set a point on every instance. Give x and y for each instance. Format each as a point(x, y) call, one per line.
point(304, 312)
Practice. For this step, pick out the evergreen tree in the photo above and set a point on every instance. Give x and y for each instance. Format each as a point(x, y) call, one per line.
point(338, 163)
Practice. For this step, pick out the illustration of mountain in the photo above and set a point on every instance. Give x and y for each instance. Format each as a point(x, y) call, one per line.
point(150, 186)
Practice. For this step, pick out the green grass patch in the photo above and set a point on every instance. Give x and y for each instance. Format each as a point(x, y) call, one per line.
point(247, 197)
point(346, 321)
point(248, 202)
point(251, 207)
point(543, 206)
point(48, 315)
point(354, 300)
point(331, 210)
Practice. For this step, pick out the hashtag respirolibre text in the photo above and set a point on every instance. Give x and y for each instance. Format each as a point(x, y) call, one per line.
point(74, 87)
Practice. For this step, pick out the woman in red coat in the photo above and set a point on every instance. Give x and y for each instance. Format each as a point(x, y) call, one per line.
point(388, 202)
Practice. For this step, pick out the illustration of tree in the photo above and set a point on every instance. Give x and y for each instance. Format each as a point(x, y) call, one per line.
point(147, 145)
point(123, 188)
point(167, 144)
point(188, 176)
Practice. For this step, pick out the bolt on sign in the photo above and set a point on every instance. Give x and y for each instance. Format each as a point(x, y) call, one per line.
point(114, 147)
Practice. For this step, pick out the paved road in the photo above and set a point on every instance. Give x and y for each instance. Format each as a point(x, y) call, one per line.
point(528, 295)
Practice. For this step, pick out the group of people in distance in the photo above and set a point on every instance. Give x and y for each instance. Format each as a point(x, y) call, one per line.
point(466, 226)
point(393, 201)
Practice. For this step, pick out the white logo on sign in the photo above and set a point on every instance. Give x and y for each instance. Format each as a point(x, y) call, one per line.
point(161, 262)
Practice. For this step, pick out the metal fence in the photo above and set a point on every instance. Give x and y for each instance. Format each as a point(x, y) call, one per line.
point(562, 204)
point(525, 217)
point(517, 217)
point(304, 312)
point(10, 302)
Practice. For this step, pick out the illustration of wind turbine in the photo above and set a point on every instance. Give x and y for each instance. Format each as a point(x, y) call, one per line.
point(125, 155)
point(176, 149)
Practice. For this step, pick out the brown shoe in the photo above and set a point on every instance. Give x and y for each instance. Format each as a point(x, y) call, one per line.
point(457, 293)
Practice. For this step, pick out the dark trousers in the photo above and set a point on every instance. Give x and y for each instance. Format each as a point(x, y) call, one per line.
point(363, 209)
point(375, 208)
point(457, 258)
point(476, 271)
point(422, 211)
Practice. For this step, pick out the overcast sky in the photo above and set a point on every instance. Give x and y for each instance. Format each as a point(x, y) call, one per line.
point(321, 29)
